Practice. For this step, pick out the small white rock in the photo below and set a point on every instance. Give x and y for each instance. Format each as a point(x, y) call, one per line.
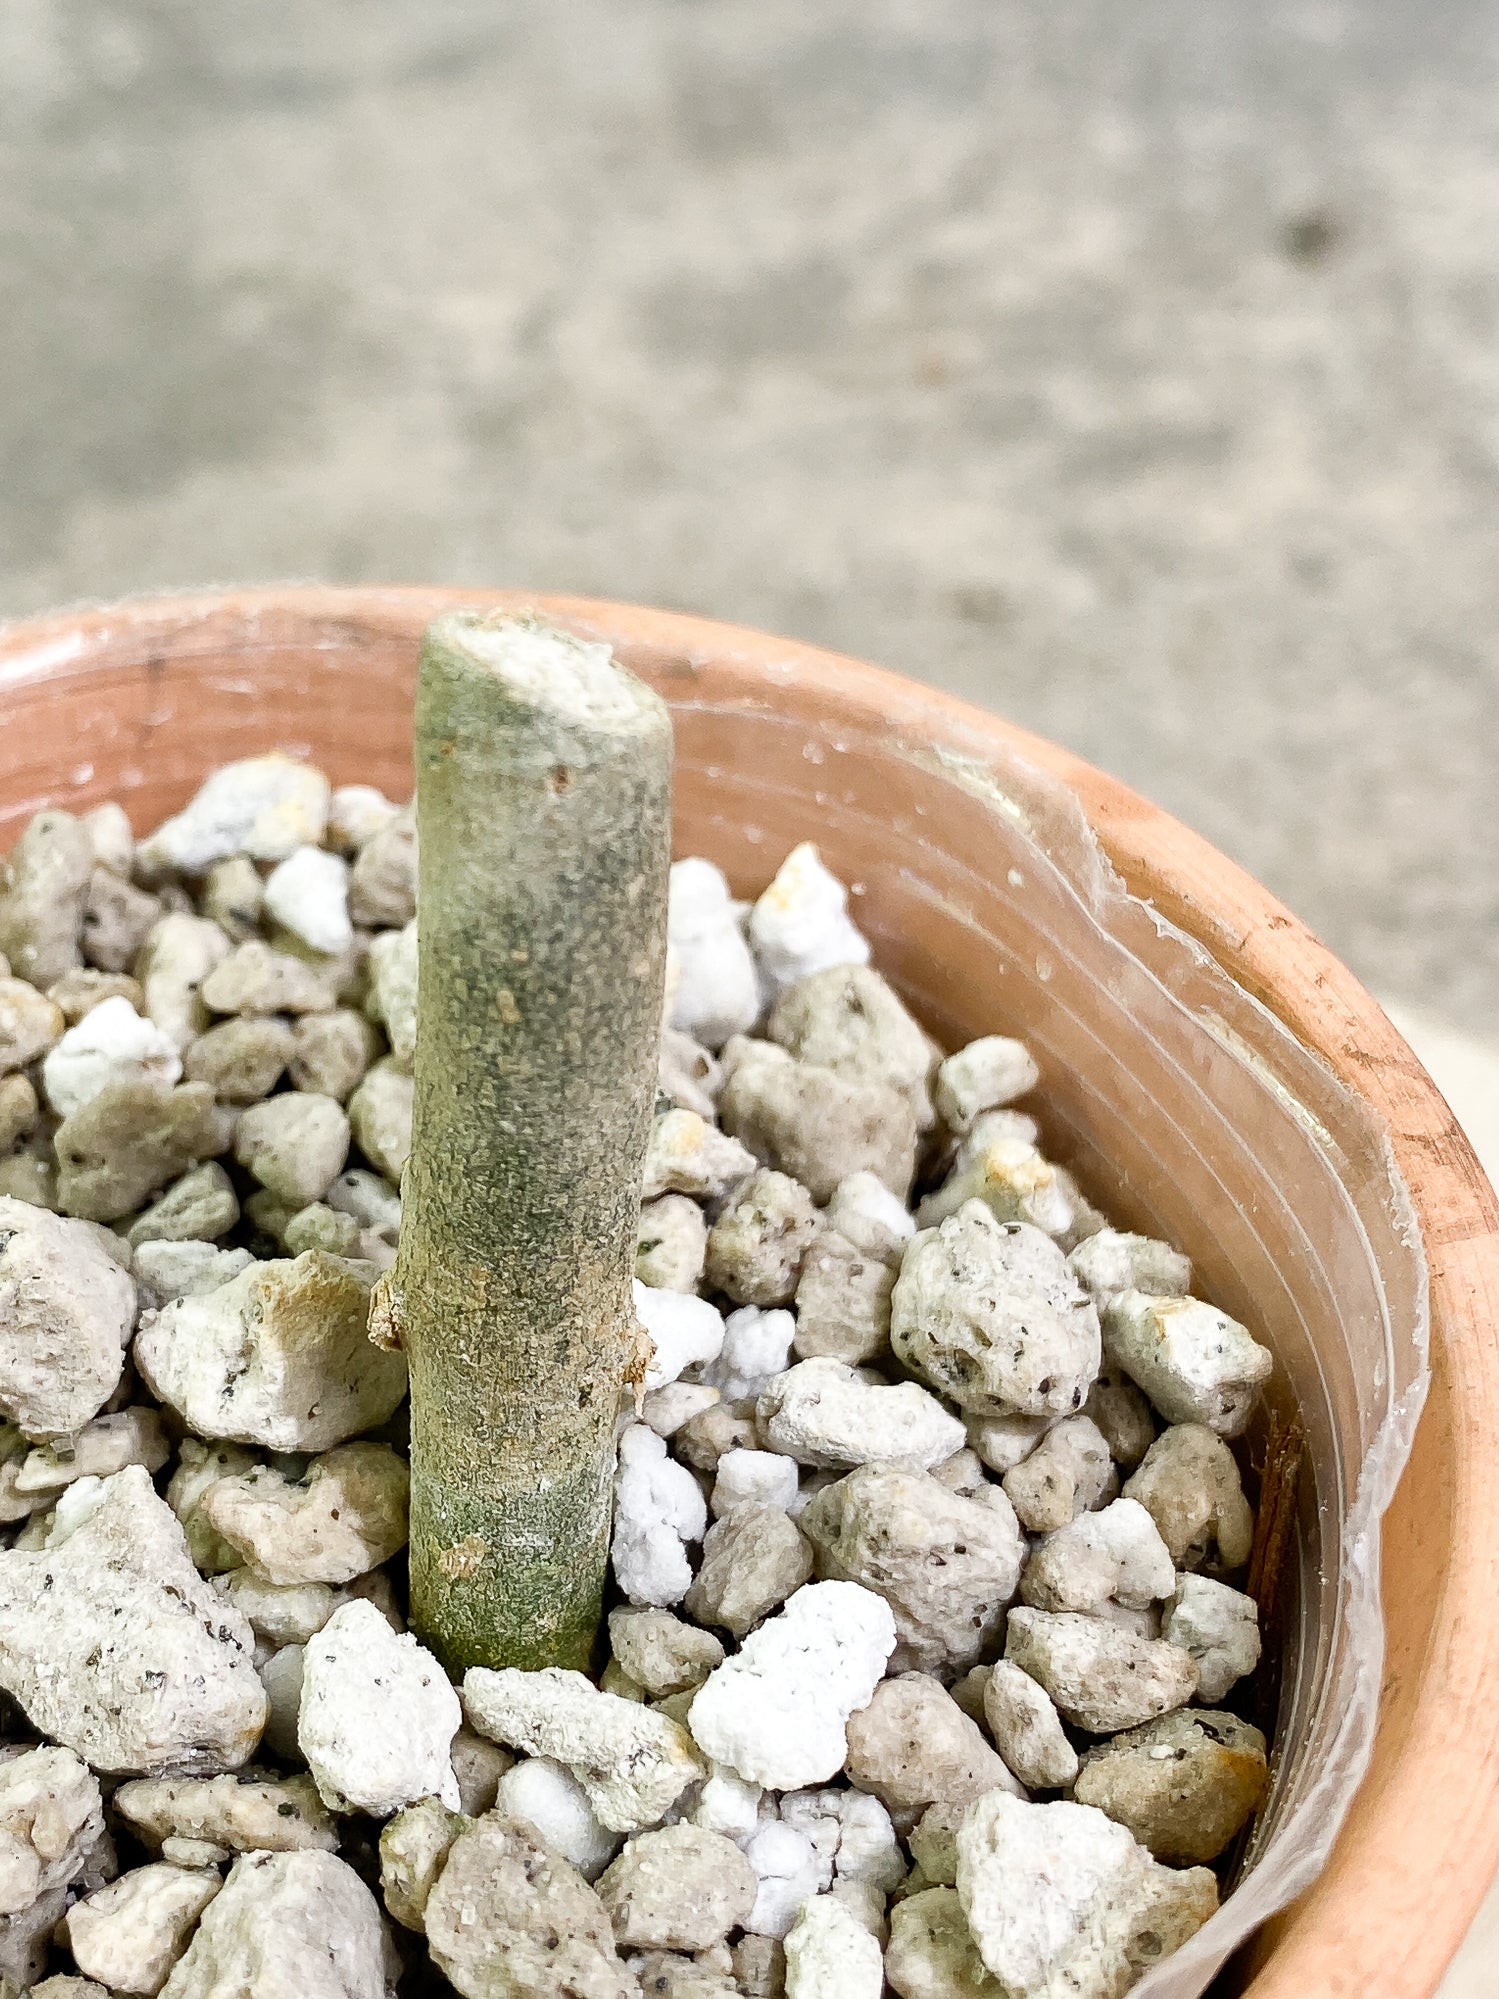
point(130, 1933)
point(1115, 1556)
point(830, 1955)
point(308, 894)
point(756, 1345)
point(632, 1762)
point(111, 1044)
point(288, 1926)
point(356, 813)
point(114, 1645)
point(776, 1711)
point(265, 807)
point(1059, 1898)
point(752, 1478)
point(1220, 1627)
point(867, 1214)
point(66, 1310)
point(718, 992)
point(687, 1155)
point(549, 1797)
point(658, 1509)
point(684, 1331)
point(1027, 1729)
point(378, 1716)
point(344, 1517)
point(789, 1871)
point(801, 923)
point(822, 1413)
point(1102, 1678)
point(51, 1817)
point(393, 968)
point(1111, 1261)
point(986, 1074)
point(279, 1356)
point(169, 1270)
point(1195, 1363)
point(728, 1804)
point(989, 1312)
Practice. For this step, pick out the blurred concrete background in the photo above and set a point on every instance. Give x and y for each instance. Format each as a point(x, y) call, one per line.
point(1129, 368)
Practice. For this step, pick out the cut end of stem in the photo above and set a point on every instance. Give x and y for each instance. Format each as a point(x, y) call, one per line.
point(545, 667)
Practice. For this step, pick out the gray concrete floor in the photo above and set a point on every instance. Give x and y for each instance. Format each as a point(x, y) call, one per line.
point(1131, 369)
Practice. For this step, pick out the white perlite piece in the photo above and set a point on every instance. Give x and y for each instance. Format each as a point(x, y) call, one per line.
point(1069, 1472)
point(687, 1155)
point(168, 1270)
point(378, 1716)
point(678, 1888)
point(507, 1919)
point(756, 1345)
point(752, 1478)
point(947, 1565)
point(865, 1212)
point(308, 894)
point(131, 1933)
point(830, 1955)
point(633, 1762)
point(850, 1829)
point(1114, 1556)
point(989, 1312)
point(1027, 1729)
point(823, 1413)
point(776, 1711)
point(111, 1044)
point(801, 923)
point(931, 1953)
point(718, 992)
point(295, 1144)
point(729, 1805)
point(51, 1817)
point(288, 1926)
point(114, 1645)
point(1189, 1484)
point(414, 1847)
point(1003, 1442)
point(101, 1448)
point(788, 1870)
point(658, 1509)
point(986, 1074)
point(1112, 1261)
point(356, 813)
point(392, 1000)
point(279, 1356)
point(1010, 1177)
point(1060, 1899)
point(1195, 1363)
point(66, 1310)
point(1220, 1627)
point(552, 1801)
point(345, 1517)
point(265, 807)
point(237, 1814)
point(684, 1332)
point(1101, 1677)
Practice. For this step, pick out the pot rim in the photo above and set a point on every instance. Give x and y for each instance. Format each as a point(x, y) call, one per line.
point(1421, 1842)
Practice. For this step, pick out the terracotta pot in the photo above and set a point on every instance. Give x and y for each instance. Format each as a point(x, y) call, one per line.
point(1179, 1092)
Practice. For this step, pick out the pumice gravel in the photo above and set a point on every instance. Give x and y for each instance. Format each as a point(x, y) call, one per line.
point(930, 1535)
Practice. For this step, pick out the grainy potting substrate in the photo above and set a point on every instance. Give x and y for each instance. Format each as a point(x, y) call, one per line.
point(927, 1524)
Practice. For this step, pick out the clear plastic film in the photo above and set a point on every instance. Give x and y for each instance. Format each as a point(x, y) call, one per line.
point(1189, 1111)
